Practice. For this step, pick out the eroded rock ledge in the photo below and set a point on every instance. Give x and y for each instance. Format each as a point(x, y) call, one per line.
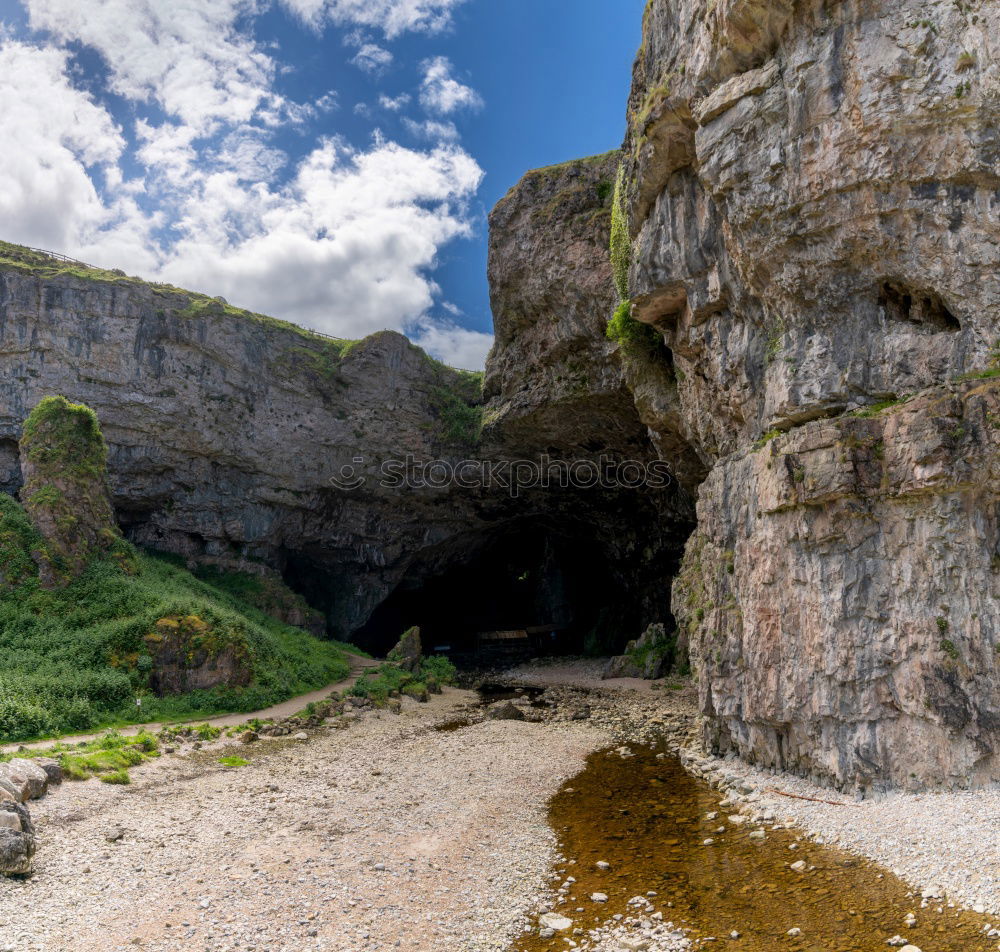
point(812, 199)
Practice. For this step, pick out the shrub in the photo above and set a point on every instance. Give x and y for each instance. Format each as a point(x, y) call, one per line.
point(116, 777)
point(440, 667)
point(633, 336)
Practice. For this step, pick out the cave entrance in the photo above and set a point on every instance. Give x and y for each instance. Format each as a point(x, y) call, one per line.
point(522, 591)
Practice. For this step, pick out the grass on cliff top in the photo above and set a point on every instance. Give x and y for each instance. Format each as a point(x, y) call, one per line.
point(74, 659)
point(197, 305)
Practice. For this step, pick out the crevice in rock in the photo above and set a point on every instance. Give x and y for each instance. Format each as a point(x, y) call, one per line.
point(924, 309)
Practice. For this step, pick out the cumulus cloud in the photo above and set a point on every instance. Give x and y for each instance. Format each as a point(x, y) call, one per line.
point(192, 60)
point(342, 239)
point(47, 197)
point(456, 346)
point(343, 248)
point(440, 92)
point(372, 58)
point(391, 17)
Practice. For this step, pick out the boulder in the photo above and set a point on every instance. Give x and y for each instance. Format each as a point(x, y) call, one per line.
point(650, 656)
point(25, 780)
point(17, 839)
point(505, 711)
point(408, 652)
point(53, 770)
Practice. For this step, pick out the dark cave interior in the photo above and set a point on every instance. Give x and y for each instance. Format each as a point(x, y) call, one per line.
point(558, 588)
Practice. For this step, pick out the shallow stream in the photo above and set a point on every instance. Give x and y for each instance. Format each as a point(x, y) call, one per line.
point(647, 818)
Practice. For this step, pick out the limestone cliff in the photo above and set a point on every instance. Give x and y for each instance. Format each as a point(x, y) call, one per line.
point(225, 429)
point(810, 197)
point(235, 441)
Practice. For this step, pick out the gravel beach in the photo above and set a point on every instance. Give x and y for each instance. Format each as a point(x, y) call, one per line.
point(390, 834)
point(395, 834)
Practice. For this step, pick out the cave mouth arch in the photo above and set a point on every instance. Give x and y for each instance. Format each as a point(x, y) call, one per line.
point(551, 586)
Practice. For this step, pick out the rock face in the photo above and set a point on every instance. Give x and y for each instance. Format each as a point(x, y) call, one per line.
point(811, 194)
point(228, 432)
point(64, 465)
point(241, 442)
point(551, 378)
point(17, 839)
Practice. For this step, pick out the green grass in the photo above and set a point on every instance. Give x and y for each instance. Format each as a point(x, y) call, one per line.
point(234, 762)
point(379, 683)
point(74, 658)
point(876, 408)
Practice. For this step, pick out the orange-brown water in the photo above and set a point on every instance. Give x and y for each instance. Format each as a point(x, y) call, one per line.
point(647, 818)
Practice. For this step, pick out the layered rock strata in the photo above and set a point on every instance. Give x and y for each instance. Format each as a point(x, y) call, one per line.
point(811, 194)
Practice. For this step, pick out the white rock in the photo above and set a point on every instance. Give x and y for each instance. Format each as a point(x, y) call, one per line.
point(552, 920)
point(598, 897)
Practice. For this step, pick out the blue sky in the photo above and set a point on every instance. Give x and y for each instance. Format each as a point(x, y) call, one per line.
point(330, 162)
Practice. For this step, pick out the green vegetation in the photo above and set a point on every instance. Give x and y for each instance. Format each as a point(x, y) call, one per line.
point(621, 243)
point(767, 437)
point(390, 680)
point(775, 335)
point(65, 436)
point(119, 776)
point(18, 540)
point(456, 401)
point(876, 408)
point(949, 648)
point(634, 337)
point(76, 658)
point(234, 762)
point(266, 593)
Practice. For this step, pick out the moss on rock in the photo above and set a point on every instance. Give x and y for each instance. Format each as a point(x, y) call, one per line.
point(65, 492)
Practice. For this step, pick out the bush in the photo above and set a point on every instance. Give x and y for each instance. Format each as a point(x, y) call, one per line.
point(633, 336)
point(439, 667)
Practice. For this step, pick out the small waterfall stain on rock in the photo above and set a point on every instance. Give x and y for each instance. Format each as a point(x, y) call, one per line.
point(659, 833)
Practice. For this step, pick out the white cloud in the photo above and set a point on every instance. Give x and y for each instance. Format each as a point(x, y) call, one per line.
point(191, 58)
point(440, 92)
point(55, 132)
point(343, 240)
point(392, 17)
point(372, 59)
point(456, 346)
point(432, 130)
point(343, 248)
point(394, 104)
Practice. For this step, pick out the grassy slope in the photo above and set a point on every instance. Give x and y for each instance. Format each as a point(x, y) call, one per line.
point(73, 658)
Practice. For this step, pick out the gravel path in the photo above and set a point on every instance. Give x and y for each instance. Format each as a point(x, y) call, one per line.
point(387, 835)
point(276, 711)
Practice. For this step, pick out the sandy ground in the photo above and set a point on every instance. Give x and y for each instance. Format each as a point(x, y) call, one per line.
point(578, 672)
point(276, 711)
point(387, 835)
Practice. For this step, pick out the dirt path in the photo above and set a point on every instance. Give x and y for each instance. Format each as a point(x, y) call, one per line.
point(277, 711)
point(389, 834)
